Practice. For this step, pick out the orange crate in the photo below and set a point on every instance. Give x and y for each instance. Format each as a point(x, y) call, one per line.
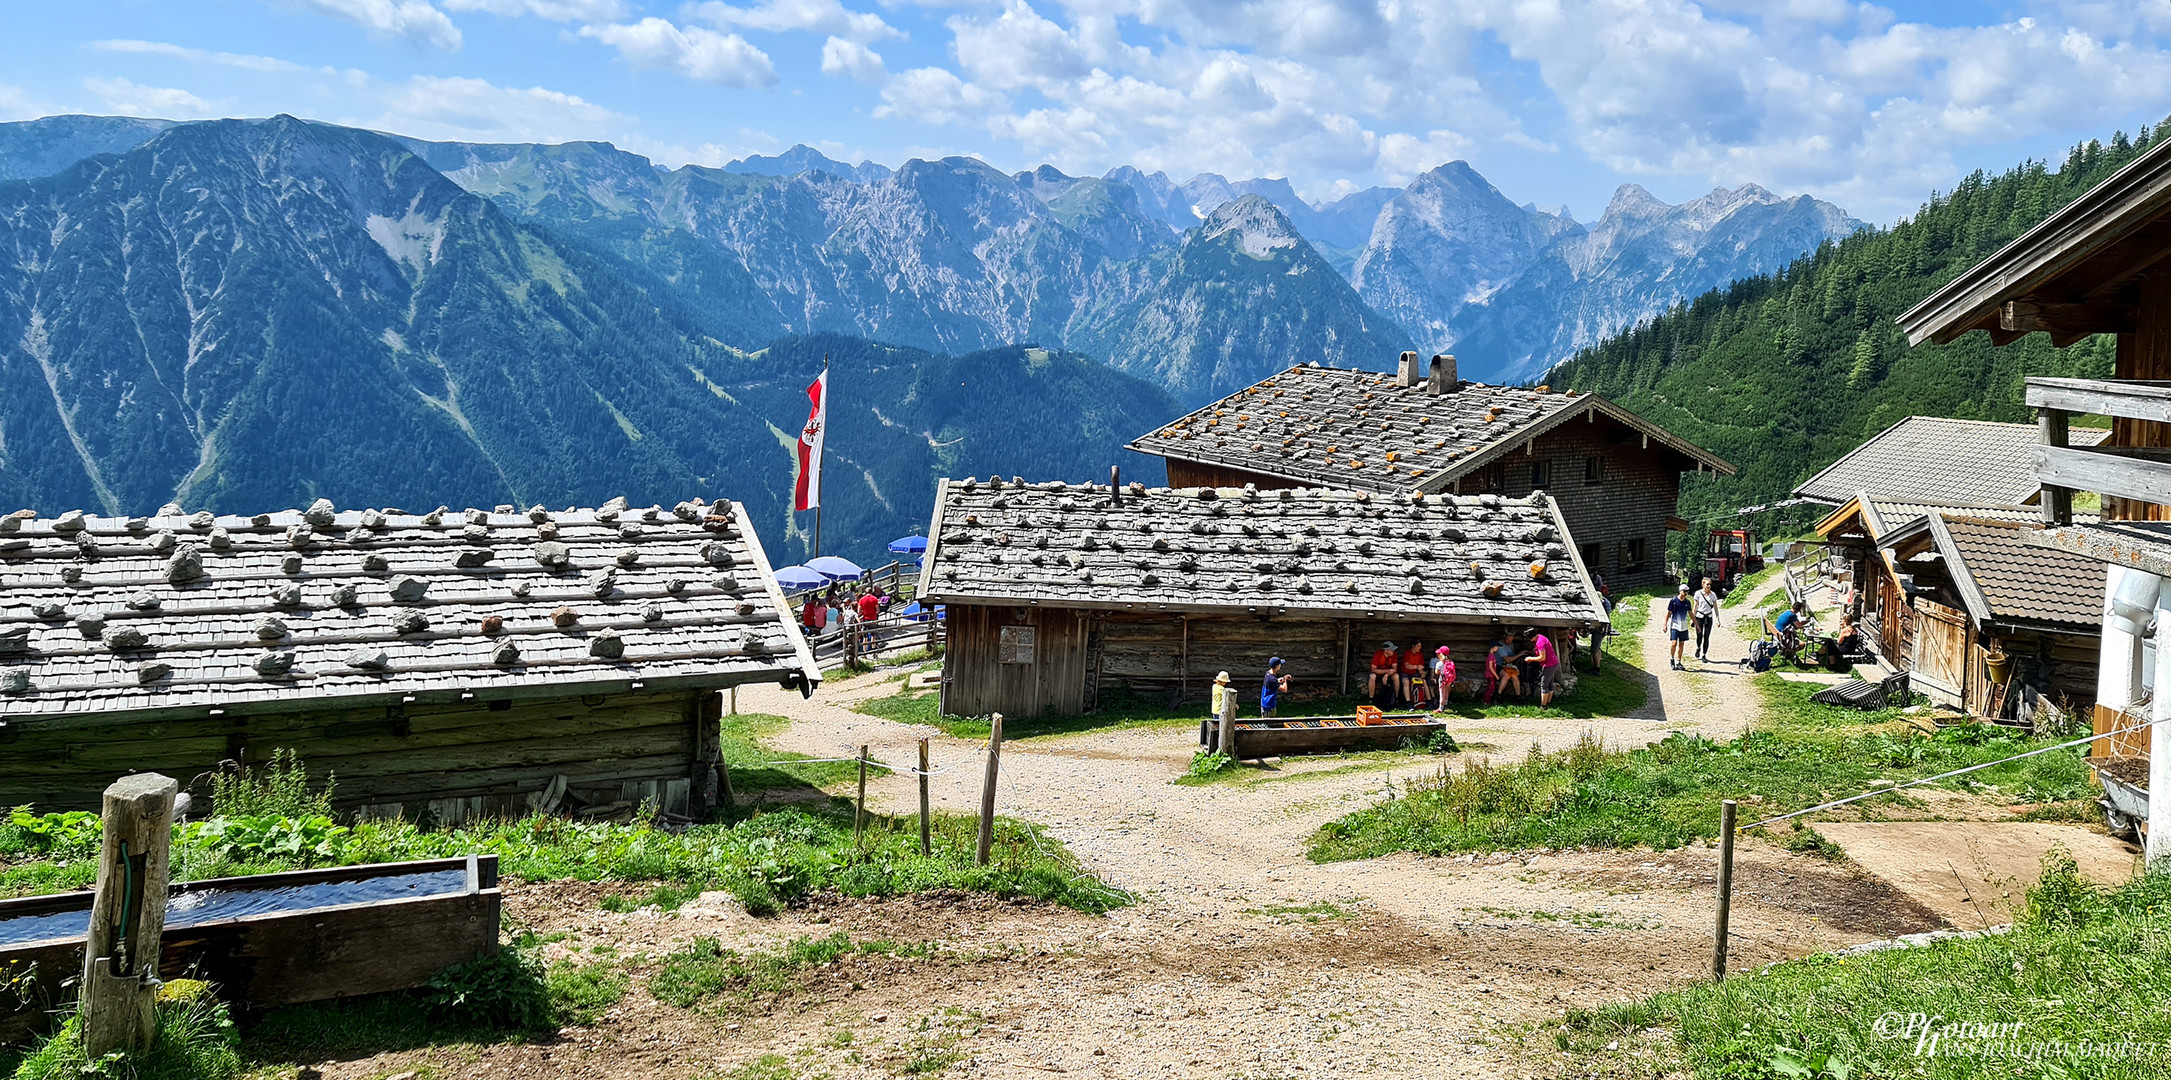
point(1368, 715)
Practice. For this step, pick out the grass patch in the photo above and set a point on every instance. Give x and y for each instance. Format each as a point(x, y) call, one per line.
point(195, 1040)
point(1311, 913)
point(1667, 794)
point(581, 992)
point(1610, 691)
point(2082, 965)
point(757, 770)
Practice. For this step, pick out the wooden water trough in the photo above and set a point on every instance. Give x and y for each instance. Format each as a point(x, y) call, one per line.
point(1319, 734)
point(268, 939)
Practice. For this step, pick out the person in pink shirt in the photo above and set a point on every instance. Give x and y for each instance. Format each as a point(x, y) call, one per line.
point(1548, 658)
point(1444, 669)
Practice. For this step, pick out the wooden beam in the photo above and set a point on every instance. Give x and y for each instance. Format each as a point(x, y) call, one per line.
point(2001, 336)
point(2057, 501)
point(2135, 400)
point(2127, 475)
point(2056, 318)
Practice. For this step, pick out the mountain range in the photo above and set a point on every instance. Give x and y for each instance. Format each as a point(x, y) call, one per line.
point(252, 314)
point(953, 255)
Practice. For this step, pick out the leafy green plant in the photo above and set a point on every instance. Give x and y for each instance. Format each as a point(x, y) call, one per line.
point(305, 841)
point(1205, 766)
point(195, 1040)
point(279, 788)
point(71, 835)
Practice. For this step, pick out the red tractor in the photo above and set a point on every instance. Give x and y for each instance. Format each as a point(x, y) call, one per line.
point(1729, 555)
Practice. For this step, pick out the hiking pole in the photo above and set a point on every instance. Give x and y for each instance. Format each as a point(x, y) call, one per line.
point(1726, 888)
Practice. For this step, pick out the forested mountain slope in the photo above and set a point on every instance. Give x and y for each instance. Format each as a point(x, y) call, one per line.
point(1783, 373)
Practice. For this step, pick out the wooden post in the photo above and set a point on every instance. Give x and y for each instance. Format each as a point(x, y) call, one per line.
point(859, 813)
point(925, 847)
point(128, 916)
point(2057, 501)
point(734, 701)
point(1726, 888)
point(987, 788)
point(1226, 744)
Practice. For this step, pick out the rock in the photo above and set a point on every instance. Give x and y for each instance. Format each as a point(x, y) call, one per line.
point(271, 665)
point(261, 521)
point(409, 590)
point(616, 505)
point(125, 637)
point(477, 517)
point(15, 681)
point(345, 596)
point(434, 518)
point(71, 574)
point(321, 512)
point(686, 511)
point(162, 543)
point(564, 617)
point(468, 560)
point(373, 520)
point(553, 554)
point(270, 628)
point(143, 600)
point(547, 531)
point(300, 536)
point(14, 639)
point(414, 622)
point(221, 540)
point(48, 610)
point(607, 645)
point(292, 564)
point(628, 558)
point(91, 624)
point(202, 520)
point(69, 523)
point(1417, 586)
point(602, 582)
point(505, 653)
point(651, 612)
point(755, 645)
point(652, 513)
point(717, 553)
point(674, 586)
point(476, 534)
point(538, 514)
point(520, 590)
point(287, 596)
point(493, 624)
point(368, 658)
point(375, 564)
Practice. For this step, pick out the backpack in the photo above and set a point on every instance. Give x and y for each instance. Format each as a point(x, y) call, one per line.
point(1760, 655)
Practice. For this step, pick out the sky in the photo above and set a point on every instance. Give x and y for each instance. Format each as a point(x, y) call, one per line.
point(1558, 102)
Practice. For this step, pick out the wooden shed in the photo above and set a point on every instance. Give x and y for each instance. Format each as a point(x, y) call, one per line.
point(443, 664)
point(2002, 624)
point(1060, 595)
point(1615, 476)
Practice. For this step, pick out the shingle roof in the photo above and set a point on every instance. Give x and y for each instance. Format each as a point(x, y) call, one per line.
point(180, 612)
point(1358, 429)
point(2004, 578)
point(1932, 459)
point(1307, 551)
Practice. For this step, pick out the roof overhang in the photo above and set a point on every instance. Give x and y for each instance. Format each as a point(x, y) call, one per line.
point(2064, 274)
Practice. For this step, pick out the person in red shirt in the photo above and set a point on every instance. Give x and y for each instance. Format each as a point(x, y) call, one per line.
point(870, 606)
point(814, 616)
point(1385, 668)
point(1413, 673)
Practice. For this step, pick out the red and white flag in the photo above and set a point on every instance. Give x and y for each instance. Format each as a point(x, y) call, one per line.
point(809, 493)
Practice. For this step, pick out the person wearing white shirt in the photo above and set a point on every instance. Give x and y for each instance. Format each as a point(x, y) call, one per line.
point(1707, 614)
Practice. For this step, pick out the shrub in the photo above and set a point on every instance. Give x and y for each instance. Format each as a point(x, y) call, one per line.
point(502, 990)
point(279, 789)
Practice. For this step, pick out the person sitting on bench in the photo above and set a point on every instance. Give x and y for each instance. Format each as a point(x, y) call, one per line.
point(1386, 667)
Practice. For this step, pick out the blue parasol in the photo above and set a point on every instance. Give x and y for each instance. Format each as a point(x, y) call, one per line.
point(800, 577)
point(835, 569)
point(910, 545)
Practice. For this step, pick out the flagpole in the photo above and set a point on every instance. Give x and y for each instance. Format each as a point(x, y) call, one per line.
point(818, 473)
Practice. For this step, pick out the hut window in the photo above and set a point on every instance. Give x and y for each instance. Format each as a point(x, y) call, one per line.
point(1632, 559)
point(1590, 553)
point(1541, 475)
point(1594, 470)
point(1015, 645)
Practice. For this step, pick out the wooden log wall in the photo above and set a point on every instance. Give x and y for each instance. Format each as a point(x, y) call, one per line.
point(976, 681)
point(2144, 354)
point(466, 758)
point(2069, 660)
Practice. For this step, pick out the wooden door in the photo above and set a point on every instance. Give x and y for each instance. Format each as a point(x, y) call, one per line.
point(1940, 652)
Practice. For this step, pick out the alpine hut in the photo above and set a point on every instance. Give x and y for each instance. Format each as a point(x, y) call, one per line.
point(1059, 594)
point(442, 664)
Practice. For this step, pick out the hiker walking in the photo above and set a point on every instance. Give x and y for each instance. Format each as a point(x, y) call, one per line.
point(1707, 614)
point(1678, 610)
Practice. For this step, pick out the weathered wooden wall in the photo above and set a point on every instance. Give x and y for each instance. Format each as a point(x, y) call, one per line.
point(976, 682)
point(453, 760)
point(1170, 655)
point(1637, 490)
point(1185, 474)
point(2069, 660)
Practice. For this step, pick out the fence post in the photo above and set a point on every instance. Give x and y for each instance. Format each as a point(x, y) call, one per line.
point(859, 813)
point(1726, 888)
point(925, 848)
point(1227, 735)
point(987, 788)
point(128, 917)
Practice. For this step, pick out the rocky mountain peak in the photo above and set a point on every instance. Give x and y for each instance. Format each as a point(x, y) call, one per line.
point(1260, 227)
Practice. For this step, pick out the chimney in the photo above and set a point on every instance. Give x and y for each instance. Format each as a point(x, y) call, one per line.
point(1406, 372)
point(1443, 375)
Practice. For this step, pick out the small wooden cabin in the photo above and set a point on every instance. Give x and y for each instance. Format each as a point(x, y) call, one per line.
point(1061, 595)
point(443, 664)
point(2001, 624)
point(1615, 476)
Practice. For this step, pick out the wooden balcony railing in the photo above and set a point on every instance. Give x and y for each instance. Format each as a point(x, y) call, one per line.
point(2133, 480)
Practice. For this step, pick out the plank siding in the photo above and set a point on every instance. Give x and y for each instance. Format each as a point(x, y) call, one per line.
point(976, 682)
point(383, 757)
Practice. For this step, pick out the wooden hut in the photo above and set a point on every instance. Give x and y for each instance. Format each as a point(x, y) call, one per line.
point(2099, 266)
point(1615, 476)
point(1061, 595)
point(442, 664)
point(2001, 625)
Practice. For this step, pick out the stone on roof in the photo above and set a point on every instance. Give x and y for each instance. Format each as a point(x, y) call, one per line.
point(1317, 551)
point(1937, 460)
point(380, 605)
point(1346, 428)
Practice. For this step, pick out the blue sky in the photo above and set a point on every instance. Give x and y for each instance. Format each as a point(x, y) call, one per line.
point(1557, 101)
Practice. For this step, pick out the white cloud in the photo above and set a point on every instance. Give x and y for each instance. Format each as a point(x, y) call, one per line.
point(852, 60)
point(479, 111)
point(164, 102)
point(660, 45)
point(554, 10)
point(413, 20)
point(1017, 48)
point(16, 104)
point(778, 16)
point(932, 95)
point(269, 64)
